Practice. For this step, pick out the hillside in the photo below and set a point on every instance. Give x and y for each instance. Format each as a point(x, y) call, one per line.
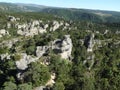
point(66, 13)
point(19, 7)
point(84, 14)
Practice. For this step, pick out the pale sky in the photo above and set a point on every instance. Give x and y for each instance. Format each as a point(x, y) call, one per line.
point(113, 5)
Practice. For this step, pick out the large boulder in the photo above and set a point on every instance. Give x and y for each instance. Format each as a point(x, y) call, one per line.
point(22, 64)
point(3, 32)
point(56, 25)
point(41, 50)
point(11, 18)
point(5, 56)
point(63, 47)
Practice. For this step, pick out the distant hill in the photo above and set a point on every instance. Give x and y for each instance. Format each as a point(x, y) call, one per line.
point(19, 7)
point(85, 14)
point(66, 13)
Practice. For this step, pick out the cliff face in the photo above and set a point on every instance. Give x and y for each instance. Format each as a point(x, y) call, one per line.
point(63, 47)
point(89, 42)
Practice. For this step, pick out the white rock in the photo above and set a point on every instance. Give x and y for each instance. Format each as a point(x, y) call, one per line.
point(41, 30)
point(11, 18)
point(4, 32)
point(56, 25)
point(22, 64)
point(5, 56)
point(31, 29)
point(8, 25)
point(46, 26)
point(40, 88)
point(51, 82)
point(89, 42)
point(63, 47)
point(41, 50)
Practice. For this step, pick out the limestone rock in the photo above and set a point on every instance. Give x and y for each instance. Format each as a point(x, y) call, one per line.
point(31, 29)
point(22, 64)
point(9, 43)
point(8, 25)
point(40, 88)
point(46, 26)
point(89, 42)
point(106, 31)
point(5, 56)
point(11, 18)
point(51, 82)
point(56, 25)
point(63, 47)
point(3, 32)
point(41, 50)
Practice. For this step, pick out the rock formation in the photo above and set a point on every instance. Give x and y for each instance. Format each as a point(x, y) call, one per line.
point(41, 50)
point(3, 32)
point(31, 29)
point(11, 18)
point(22, 64)
point(63, 47)
point(89, 42)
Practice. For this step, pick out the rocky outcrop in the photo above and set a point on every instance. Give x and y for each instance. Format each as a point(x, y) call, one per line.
point(9, 43)
point(22, 64)
point(89, 42)
point(41, 50)
point(63, 47)
point(11, 18)
point(5, 56)
point(3, 32)
point(32, 28)
point(8, 25)
point(41, 88)
point(56, 25)
point(51, 82)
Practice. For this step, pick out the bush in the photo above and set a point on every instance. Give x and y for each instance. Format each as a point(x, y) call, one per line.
point(38, 74)
point(17, 57)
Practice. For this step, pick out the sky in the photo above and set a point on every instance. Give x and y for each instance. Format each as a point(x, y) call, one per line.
point(113, 5)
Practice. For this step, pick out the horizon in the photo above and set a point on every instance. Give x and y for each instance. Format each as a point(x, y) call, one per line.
point(67, 4)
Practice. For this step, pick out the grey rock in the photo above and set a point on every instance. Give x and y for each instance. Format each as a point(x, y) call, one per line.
point(22, 64)
point(41, 88)
point(89, 42)
point(56, 25)
point(3, 32)
point(63, 47)
point(8, 25)
point(11, 18)
point(9, 43)
point(5, 56)
point(31, 29)
point(41, 50)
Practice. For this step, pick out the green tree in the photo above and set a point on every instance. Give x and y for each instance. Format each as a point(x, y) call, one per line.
point(38, 74)
point(59, 86)
point(25, 86)
point(9, 86)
